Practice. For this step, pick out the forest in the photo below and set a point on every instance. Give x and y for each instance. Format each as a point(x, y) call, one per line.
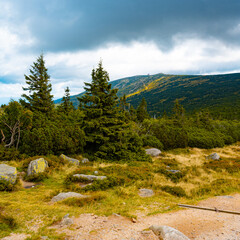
point(103, 127)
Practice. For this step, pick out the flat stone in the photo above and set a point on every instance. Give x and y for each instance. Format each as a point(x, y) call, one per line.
point(168, 233)
point(174, 171)
point(37, 166)
point(70, 160)
point(213, 156)
point(89, 177)
point(62, 196)
point(154, 152)
point(143, 192)
point(8, 173)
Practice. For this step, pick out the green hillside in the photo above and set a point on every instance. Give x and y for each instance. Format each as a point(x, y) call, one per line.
point(220, 94)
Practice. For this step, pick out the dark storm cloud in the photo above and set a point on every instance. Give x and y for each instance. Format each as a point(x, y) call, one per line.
point(68, 25)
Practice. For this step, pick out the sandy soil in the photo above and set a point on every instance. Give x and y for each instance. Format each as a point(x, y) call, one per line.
point(196, 224)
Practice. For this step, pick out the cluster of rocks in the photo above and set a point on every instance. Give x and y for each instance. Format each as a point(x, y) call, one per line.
point(9, 173)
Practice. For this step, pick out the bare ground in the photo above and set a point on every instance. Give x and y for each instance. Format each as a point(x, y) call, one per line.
point(196, 224)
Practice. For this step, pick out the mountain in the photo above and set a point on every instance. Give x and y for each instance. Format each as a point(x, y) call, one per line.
point(220, 94)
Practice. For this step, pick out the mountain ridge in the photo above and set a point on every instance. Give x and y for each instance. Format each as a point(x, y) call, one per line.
point(216, 93)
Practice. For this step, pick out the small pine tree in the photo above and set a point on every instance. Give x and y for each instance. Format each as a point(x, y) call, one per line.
point(39, 88)
point(142, 111)
point(66, 105)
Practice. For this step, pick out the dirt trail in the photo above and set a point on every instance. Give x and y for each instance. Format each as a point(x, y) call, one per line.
point(196, 224)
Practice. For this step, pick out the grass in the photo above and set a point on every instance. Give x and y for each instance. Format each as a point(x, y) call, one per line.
point(30, 210)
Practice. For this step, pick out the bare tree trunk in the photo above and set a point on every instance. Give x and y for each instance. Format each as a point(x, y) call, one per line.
point(13, 131)
point(3, 139)
point(19, 132)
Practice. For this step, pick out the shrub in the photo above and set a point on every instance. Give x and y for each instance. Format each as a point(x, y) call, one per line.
point(175, 191)
point(151, 141)
point(36, 177)
point(230, 165)
point(6, 186)
point(174, 177)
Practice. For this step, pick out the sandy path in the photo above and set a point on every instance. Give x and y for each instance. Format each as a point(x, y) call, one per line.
point(196, 224)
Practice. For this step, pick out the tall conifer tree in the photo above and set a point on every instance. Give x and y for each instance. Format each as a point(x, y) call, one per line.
point(39, 97)
point(66, 105)
point(108, 135)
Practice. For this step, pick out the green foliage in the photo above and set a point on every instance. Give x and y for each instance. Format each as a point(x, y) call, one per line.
point(151, 141)
point(59, 134)
point(175, 191)
point(39, 88)
point(6, 186)
point(142, 111)
point(38, 177)
point(13, 120)
point(7, 154)
point(174, 177)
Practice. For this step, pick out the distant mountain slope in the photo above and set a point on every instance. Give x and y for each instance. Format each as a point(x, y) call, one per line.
point(218, 93)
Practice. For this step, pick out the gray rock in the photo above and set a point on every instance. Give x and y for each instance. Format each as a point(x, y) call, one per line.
point(8, 173)
point(143, 192)
point(95, 172)
point(213, 156)
point(154, 152)
point(89, 177)
point(85, 160)
point(37, 166)
point(70, 160)
point(174, 171)
point(66, 221)
point(168, 233)
point(62, 196)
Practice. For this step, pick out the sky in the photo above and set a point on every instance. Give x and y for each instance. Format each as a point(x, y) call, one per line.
point(131, 37)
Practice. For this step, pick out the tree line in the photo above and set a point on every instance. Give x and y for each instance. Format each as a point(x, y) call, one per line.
point(103, 126)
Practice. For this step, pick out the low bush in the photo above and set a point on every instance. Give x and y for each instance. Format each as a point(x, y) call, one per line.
point(174, 177)
point(6, 186)
point(175, 191)
point(229, 165)
point(80, 202)
point(38, 177)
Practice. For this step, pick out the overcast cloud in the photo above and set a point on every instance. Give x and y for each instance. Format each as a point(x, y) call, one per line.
point(131, 36)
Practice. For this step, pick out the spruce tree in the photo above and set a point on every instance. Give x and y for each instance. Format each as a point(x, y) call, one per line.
point(142, 111)
point(108, 135)
point(66, 105)
point(39, 89)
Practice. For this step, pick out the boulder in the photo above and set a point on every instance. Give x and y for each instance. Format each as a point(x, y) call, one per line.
point(168, 233)
point(154, 152)
point(213, 156)
point(143, 192)
point(37, 166)
point(71, 160)
point(62, 196)
point(89, 177)
point(8, 173)
point(85, 160)
point(66, 221)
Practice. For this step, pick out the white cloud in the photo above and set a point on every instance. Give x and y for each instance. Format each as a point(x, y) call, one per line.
point(74, 68)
